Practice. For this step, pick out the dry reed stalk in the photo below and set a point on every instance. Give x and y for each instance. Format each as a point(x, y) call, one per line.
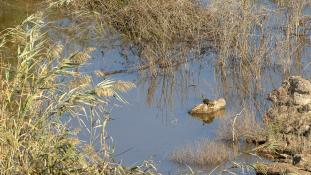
point(35, 96)
point(203, 153)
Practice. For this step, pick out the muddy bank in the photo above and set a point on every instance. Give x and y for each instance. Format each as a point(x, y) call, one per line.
point(286, 139)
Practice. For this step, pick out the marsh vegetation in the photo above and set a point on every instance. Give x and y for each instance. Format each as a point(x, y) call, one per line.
point(37, 92)
point(48, 82)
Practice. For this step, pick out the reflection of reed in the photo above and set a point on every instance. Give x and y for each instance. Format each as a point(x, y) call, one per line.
point(208, 118)
point(165, 88)
point(151, 90)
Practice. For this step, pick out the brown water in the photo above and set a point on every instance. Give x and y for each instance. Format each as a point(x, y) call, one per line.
point(156, 120)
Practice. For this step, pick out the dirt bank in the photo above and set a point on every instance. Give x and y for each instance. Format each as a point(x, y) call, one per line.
point(286, 139)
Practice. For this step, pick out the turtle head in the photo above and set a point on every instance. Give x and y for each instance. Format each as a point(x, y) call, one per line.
point(206, 101)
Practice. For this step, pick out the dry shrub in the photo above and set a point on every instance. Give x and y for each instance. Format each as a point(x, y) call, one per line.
point(203, 153)
point(239, 126)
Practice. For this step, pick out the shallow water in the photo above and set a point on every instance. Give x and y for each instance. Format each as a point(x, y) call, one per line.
point(141, 131)
point(156, 120)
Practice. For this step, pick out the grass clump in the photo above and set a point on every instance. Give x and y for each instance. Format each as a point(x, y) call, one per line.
point(161, 32)
point(203, 154)
point(206, 153)
point(37, 93)
point(239, 127)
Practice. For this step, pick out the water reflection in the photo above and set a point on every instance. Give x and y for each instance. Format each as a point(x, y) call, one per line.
point(208, 118)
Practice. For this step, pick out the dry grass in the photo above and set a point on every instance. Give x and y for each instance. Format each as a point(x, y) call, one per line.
point(240, 31)
point(203, 154)
point(35, 96)
point(161, 32)
point(248, 37)
point(210, 153)
point(239, 127)
point(255, 38)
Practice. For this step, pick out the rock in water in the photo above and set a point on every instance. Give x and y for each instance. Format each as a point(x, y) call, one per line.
point(210, 107)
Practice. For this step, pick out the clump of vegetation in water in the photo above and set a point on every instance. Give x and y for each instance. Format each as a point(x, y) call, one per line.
point(239, 127)
point(230, 26)
point(203, 154)
point(226, 147)
point(162, 32)
point(37, 92)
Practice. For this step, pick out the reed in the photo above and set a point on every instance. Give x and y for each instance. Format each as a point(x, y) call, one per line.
point(41, 89)
point(204, 153)
point(247, 40)
point(241, 32)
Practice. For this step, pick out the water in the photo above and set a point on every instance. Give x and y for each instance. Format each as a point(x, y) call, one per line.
point(142, 130)
point(156, 120)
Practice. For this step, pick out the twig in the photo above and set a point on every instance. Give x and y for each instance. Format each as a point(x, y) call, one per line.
point(214, 169)
point(233, 124)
